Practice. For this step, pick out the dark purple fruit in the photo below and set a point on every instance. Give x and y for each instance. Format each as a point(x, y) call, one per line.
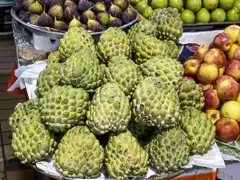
point(45, 4)
point(103, 18)
point(24, 15)
point(93, 25)
point(17, 6)
point(84, 5)
point(35, 8)
point(87, 15)
point(56, 11)
point(34, 19)
point(123, 4)
point(60, 25)
point(132, 13)
point(108, 3)
point(45, 20)
point(125, 18)
point(114, 22)
point(99, 7)
point(68, 13)
point(26, 4)
point(115, 11)
point(56, 2)
point(70, 3)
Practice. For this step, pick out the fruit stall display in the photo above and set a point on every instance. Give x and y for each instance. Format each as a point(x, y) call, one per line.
point(61, 15)
point(122, 104)
point(193, 11)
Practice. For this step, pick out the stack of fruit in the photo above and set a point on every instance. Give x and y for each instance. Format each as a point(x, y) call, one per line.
point(63, 14)
point(193, 11)
point(107, 98)
point(216, 68)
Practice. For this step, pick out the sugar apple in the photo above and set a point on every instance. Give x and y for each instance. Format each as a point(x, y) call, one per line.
point(28, 109)
point(199, 129)
point(173, 50)
point(124, 157)
point(54, 57)
point(63, 107)
point(113, 42)
point(191, 95)
point(82, 69)
point(109, 110)
point(79, 154)
point(144, 26)
point(155, 103)
point(32, 142)
point(169, 23)
point(74, 40)
point(47, 79)
point(167, 69)
point(124, 72)
point(168, 150)
point(146, 47)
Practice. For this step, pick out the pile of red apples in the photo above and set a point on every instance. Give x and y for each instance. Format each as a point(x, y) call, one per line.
point(216, 68)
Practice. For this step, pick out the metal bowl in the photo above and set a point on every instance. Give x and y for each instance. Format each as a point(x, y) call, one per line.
point(51, 33)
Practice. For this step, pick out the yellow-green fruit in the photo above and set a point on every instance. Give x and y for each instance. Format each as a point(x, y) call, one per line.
point(231, 109)
point(147, 12)
point(168, 150)
point(32, 142)
point(141, 6)
point(64, 107)
point(124, 157)
point(109, 110)
point(199, 129)
point(79, 154)
point(74, 40)
point(54, 57)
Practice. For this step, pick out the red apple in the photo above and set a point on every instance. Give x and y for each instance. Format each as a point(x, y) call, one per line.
point(207, 73)
point(232, 31)
point(223, 42)
point(232, 68)
point(201, 51)
point(205, 86)
point(227, 89)
point(213, 115)
point(231, 52)
point(188, 78)
point(191, 67)
point(215, 56)
point(211, 99)
point(227, 129)
point(236, 54)
point(222, 78)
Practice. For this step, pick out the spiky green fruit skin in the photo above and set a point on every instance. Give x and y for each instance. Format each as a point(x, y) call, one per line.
point(168, 150)
point(47, 79)
point(109, 110)
point(124, 72)
point(199, 129)
point(113, 42)
point(124, 157)
point(173, 50)
point(28, 109)
point(155, 104)
point(191, 95)
point(63, 107)
point(54, 57)
point(169, 70)
point(146, 47)
point(144, 26)
point(74, 40)
point(32, 142)
point(169, 23)
point(79, 154)
point(82, 69)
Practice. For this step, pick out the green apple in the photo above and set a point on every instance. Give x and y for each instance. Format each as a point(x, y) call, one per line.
point(148, 12)
point(194, 5)
point(226, 4)
point(176, 4)
point(141, 6)
point(203, 16)
point(188, 17)
point(233, 14)
point(159, 4)
point(237, 4)
point(218, 15)
point(210, 4)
